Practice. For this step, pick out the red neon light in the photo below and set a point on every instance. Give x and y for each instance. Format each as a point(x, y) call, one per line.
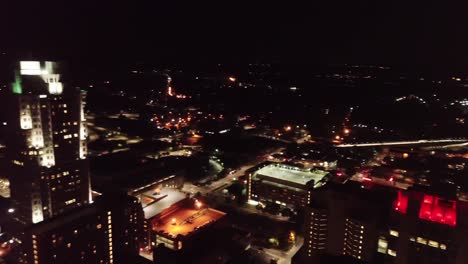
point(401, 203)
point(438, 210)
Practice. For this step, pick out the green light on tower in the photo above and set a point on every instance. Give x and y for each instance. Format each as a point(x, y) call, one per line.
point(17, 89)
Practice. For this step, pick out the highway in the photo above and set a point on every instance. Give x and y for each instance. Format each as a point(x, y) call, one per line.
point(398, 143)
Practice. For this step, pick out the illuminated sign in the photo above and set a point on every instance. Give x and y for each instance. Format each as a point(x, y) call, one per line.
point(401, 203)
point(438, 210)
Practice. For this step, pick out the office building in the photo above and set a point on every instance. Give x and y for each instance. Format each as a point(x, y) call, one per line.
point(46, 147)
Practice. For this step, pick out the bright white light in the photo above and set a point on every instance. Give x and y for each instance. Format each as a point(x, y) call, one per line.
point(43, 96)
point(31, 68)
point(11, 210)
point(55, 88)
point(252, 202)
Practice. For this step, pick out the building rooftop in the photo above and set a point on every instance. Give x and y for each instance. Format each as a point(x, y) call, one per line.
point(291, 174)
point(155, 201)
point(185, 221)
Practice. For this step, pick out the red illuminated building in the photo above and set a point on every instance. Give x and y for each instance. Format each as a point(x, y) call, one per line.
point(380, 224)
point(438, 210)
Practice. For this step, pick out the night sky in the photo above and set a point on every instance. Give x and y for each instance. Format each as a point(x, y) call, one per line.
point(430, 34)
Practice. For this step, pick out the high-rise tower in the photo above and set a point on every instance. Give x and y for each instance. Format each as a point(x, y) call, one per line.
point(46, 146)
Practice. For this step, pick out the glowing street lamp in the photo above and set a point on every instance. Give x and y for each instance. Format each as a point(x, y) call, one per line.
point(232, 79)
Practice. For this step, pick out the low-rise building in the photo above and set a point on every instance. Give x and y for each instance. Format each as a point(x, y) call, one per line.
point(284, 184)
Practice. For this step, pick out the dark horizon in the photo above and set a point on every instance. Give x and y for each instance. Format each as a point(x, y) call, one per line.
point(401, 35)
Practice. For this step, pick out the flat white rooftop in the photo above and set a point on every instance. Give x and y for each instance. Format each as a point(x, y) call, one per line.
point(291, 174)
point(153, 203)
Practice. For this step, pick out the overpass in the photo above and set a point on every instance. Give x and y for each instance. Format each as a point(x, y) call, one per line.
point(400, 143)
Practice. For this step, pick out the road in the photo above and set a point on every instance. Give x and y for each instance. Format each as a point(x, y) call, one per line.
point(397, 143)
point(226, 181)
point(364, 178)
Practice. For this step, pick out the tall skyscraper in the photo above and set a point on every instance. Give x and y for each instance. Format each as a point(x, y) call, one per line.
point(46, 146)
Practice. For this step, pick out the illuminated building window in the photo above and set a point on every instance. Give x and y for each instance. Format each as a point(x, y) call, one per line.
point(394, 233)
point(433, 243)
point(391, 252)
point(70, 201)
point(382, 245)
point(421, 240)
point(443, 246)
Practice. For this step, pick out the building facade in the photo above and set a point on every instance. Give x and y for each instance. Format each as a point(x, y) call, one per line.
point(384, 225)
point(46, 147)
point(108, 231)
point(283, 184)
